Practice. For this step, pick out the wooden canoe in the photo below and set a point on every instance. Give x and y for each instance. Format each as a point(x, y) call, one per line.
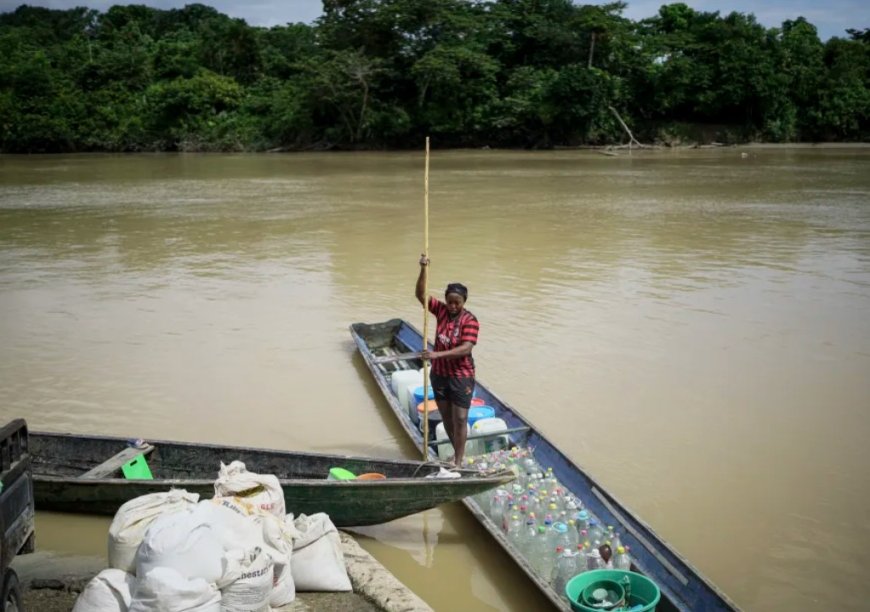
point(61, 460)
point(390, 346)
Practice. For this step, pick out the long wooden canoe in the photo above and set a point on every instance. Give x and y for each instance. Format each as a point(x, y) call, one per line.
point(388, 347)
point(68, 478)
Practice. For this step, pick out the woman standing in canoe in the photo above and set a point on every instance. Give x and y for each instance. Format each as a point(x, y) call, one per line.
point(452, 370)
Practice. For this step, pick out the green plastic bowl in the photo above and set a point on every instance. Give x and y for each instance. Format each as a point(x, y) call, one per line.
point(644, 591)
point(613, 591)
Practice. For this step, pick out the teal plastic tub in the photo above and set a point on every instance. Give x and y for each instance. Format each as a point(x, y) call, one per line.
point(644, 591)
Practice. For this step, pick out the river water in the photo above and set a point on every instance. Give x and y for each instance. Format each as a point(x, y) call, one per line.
point(693, 328)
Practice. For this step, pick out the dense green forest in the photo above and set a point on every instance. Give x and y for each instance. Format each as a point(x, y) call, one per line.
point(385, 73)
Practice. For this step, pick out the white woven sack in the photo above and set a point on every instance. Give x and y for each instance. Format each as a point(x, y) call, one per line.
point(108, 591)
point(262, 490)
point(133, 519)
point(163, 589)
point(234, 524)
point(184, 542)
point(318, 561)
point(280, 535)
point(247, 581)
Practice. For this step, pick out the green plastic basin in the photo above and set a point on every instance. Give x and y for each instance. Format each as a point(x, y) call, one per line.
point(644, 591)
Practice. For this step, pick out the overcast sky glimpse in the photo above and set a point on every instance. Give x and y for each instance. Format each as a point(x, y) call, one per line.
point(831, 17)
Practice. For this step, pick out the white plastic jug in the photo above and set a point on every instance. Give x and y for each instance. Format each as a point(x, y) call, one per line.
point(488, 445)
point(406, 392)
point(400, 376)
point(446, 450)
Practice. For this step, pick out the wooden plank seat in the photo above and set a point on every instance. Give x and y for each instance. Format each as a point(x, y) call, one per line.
point(114, 463)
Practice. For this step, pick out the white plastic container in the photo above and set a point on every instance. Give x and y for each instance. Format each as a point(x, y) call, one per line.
point(445, 450)
point(400, 376)
point(406, 392)
point(488, 426)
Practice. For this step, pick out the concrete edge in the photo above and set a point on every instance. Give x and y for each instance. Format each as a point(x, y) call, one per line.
point(375, 582)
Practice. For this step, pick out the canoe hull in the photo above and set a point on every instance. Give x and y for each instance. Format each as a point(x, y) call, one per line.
point(60, 458)
point(683, 588)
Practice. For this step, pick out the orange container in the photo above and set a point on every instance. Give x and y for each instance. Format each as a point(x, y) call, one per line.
point(476, 401)
point(371, 476)
point(433, 407)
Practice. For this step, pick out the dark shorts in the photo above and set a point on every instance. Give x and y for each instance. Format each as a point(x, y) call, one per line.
point(458, 391)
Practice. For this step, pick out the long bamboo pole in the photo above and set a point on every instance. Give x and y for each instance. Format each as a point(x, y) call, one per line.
point(426, 305)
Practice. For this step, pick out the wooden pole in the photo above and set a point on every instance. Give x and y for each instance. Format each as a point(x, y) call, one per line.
point(426, 306)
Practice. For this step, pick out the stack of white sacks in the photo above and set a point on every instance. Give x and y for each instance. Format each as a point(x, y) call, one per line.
point(236, 552)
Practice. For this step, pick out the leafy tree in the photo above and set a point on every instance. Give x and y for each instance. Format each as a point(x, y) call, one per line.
point(376, 73)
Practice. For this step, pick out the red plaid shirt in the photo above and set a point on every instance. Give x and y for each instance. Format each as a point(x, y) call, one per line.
point(450, 334)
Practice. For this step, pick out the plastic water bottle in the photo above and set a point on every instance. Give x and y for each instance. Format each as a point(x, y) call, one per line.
point(595, 531)
point(622, 561)
point(527, 471)
point(548, 531)
point(594, 560)
point(561, 539)
point(573, 535)
point(616, 541)
point(582, 520)
point(540, 550)
point(570, 505)
point(581, 558)
point(530, 531)
point(515, 529)
point(583, 536)
point(552, 483)
point(497, 505)
point(565, 569)
point(508, 512)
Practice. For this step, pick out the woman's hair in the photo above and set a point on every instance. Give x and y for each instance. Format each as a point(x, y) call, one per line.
point(457, 288)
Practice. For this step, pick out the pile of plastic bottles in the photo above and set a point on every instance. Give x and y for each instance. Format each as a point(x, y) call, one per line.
point(545, 522)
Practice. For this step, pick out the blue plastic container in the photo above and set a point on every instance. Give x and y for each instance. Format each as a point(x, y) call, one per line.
point(475, 413)
point(418, 395)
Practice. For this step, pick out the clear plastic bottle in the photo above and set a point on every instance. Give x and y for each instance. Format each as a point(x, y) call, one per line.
point(581, 557)
point(594, 560)
point(539, 552)
point(595, 530)
point(515, 529)
point(550, 479)
point(561, 538)
point(547, 563)
point(528, 467)
point(622, 560)
point(548, 529)
point(553, 509)
point(497, 505)
point(616, 541)
point(530, 532)
point(582, 520)
point(570, 505)
point(572, 534)
point(508, 511)
point(566, 568)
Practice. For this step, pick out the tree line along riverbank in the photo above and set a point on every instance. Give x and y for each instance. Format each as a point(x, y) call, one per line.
point(374, 74)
